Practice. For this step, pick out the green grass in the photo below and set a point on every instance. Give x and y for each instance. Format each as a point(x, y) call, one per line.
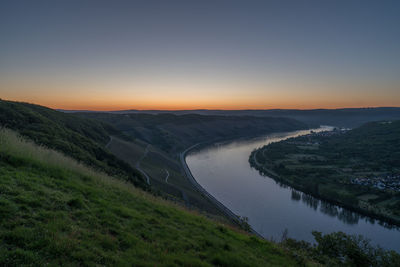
point(56, 211)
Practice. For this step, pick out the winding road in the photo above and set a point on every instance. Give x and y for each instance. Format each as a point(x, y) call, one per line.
point(166, 178)
point(138, 164)
point(109, 142)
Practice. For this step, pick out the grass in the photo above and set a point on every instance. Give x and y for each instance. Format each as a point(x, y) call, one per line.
point(55, 211)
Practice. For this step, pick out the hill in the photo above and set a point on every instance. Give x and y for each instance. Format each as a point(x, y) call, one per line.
point(345, 117)
point(359, 168)
point(57, 212)
point(158, 140)
point(174, 133)
point(80, 138)
point(142, 149)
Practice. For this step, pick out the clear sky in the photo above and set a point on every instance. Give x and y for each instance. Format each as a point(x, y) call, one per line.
point(109, 55)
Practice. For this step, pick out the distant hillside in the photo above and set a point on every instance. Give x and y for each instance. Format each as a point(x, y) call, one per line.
point(159, 138)
point(174, 133)
point(359, 168)
point(347, 117)
point(80, 138)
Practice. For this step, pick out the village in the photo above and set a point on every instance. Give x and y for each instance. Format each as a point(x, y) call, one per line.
point(313, 137)
point(389, 182)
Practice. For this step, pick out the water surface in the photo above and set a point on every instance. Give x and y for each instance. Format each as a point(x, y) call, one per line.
point(224, 171)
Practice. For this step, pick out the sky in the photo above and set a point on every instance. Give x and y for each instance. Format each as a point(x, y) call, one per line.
point(113, 55)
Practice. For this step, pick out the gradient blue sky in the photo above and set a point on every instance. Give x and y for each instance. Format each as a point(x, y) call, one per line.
point(200, 54)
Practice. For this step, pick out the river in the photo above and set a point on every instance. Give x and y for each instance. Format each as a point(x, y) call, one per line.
point(224, 171)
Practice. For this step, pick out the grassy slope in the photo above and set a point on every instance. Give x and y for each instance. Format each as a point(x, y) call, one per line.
point(56, 211)
point(156, 164)
point(326, 169)
point(80, 138)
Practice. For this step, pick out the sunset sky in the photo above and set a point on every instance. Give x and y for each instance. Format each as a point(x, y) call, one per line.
point(109, 55)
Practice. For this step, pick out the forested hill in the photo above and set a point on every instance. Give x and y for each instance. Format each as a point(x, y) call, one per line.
point(80, 138)
point(174, 133)
point(359, 168)
point(377, 143)
point(345, 117)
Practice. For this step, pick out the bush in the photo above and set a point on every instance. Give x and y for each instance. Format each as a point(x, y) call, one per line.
point(341, 249)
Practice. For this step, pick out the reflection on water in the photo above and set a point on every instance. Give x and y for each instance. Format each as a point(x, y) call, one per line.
point(223, 170)
point(332, 210)
point(327, 208)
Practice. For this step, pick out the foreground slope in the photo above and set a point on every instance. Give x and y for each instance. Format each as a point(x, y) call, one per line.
point(55, 211)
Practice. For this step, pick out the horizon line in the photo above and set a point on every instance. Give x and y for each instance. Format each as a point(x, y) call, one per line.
point(195, 109)
point(206, 109)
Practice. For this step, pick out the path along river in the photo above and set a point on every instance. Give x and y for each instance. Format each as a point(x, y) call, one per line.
point(224, 171)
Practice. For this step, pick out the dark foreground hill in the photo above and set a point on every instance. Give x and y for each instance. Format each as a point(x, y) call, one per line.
point(359, 168)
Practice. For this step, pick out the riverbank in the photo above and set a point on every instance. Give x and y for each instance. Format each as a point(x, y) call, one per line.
point(390, 223)
point(241, 222)
point(271, 207)
point(234, 218)
point(328, 166)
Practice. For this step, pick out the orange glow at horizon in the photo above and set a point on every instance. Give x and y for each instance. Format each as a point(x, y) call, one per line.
point(193, 105)
point(185, 95)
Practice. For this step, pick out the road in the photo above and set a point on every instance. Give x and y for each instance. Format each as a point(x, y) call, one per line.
point(166, 178)
point(255, 158)
point(138, 164)
point(109, 142)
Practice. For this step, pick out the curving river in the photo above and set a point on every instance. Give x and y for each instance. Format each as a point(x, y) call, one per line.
point(224, 171)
